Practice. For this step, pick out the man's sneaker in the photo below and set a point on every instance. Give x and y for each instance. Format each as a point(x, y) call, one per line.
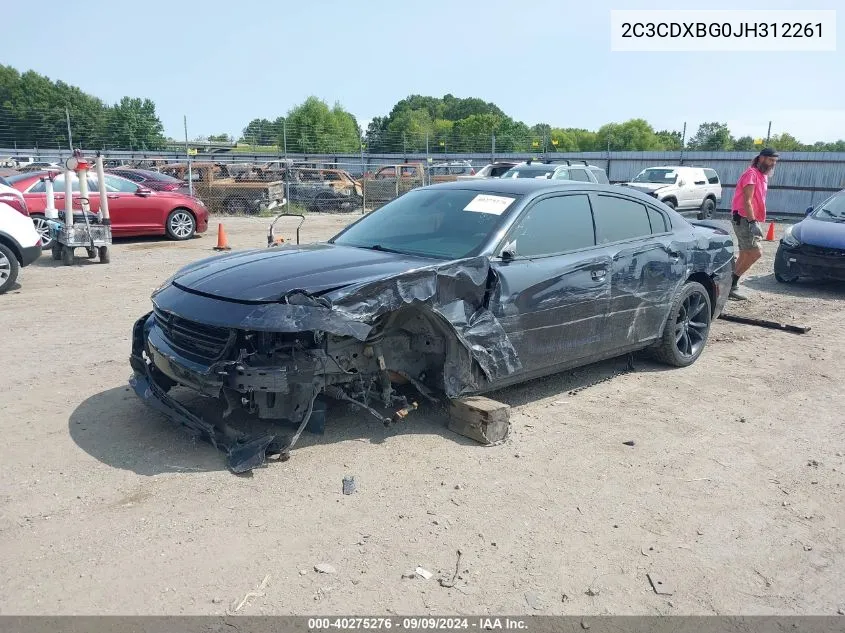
point(736, 295)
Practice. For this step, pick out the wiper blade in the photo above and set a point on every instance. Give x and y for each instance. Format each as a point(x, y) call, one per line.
point(384, 249)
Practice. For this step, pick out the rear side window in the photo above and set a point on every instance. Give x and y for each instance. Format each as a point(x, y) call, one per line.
point(561, 174)
point(131, 175)
point(554, 225)
point(601, 177)
point(620, 219)
point(499, 170)
point(580, 175)
point(712, 176)
point(657, 220)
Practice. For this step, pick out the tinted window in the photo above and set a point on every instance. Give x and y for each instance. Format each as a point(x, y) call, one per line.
point(620, 219)
point(658, 222)
point(447, 223)
point(580, 175)
point(554, 225)
point(601, 177)
point(131, 175)
point(712, 177)
point(119, 184)
point(498, 170)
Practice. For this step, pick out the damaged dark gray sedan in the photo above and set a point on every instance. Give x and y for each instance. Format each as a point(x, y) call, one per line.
point(450, 290)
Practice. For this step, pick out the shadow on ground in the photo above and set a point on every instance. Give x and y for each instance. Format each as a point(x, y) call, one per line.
point(117, 429)
point(805, 288)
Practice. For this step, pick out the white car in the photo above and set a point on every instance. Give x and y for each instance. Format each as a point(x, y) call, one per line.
point(20, 245)
point(681, 188)
point(493, 170)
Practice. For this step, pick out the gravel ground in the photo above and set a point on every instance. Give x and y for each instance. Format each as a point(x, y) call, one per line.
point(731, 495)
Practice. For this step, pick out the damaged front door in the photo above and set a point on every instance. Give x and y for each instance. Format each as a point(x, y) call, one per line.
point(554, 284)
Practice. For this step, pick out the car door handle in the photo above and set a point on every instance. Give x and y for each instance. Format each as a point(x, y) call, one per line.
point(112, 196)
point(598, 274)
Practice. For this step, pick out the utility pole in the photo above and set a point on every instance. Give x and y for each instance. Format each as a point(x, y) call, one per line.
point(769, 133)
point(69, 136)
point(188, 157)
point(683, 142)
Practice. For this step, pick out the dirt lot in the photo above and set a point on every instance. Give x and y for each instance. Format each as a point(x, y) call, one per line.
point(732, 494)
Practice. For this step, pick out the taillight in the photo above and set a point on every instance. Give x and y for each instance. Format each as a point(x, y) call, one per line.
point(18, 204)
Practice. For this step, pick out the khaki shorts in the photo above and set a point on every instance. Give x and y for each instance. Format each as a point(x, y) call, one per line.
point(746, 240)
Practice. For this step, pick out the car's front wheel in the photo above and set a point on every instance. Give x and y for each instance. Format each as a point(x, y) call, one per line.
point(9, 268)
point(43, 229)
point(181, 224)
point(783, 274)
point(669, 202)
point(687, 327)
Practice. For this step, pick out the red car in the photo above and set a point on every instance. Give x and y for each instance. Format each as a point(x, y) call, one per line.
point(151, 179)
point(134, 210)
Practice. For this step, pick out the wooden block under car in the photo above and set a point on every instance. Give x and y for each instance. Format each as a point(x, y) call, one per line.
point(480, 419)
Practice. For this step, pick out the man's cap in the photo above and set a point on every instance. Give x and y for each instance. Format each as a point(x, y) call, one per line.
point(769, 153)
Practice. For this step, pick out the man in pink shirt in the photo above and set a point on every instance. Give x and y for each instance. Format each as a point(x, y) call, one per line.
point(749, 212)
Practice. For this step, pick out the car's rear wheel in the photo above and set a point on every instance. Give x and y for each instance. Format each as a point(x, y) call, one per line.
point(236, 205)
point(687, 327)
point(9, 268)
point(707, 209)
point(325, 202)
point(43, 229)
point(181, 225)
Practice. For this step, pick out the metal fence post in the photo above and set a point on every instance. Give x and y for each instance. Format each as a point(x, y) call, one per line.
point(493, 148)
point(285, 138)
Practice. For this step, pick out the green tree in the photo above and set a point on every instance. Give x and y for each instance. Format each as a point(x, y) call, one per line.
point(670, 140)
point(313, 127)
point(133, 124)
point(633, 135)
point(259, 132)
point(786, 143)
point(744, 144)
point(712, 137)
point(220, 138)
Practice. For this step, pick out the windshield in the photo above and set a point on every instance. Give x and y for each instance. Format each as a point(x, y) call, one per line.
point(832, 208)
point(529, 171)
point(657, 176)
point(439, 223)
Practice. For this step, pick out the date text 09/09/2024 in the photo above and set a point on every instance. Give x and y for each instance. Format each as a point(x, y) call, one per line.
point(418, 624)
point(721, 29)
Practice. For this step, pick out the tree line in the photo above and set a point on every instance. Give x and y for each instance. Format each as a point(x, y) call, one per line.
point(33, 113)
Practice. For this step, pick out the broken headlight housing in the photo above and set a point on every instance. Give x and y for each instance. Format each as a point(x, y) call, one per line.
point(789, 239)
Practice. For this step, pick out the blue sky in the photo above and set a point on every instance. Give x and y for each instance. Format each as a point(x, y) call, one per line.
point(222, 63)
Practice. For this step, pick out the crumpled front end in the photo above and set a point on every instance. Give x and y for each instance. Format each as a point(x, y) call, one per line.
point(369, 345)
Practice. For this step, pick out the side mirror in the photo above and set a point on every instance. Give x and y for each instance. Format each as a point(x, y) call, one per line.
point(508, 255)
point(808, 211)
point(682, 183)
point(143, 192)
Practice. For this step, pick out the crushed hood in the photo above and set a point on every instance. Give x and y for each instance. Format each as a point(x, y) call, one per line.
point(266, 275)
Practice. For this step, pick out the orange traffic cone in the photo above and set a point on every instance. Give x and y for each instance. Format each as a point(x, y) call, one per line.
point(222, 240)
point(770, 236)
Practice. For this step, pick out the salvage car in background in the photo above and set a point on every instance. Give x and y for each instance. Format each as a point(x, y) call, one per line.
point(493, 170)
point(151, 179)
point(322, 190)
point(553, 170)
point(134, 210)
point(682, 188)
point(455, 289)
point(815, 247)
point(229, 189)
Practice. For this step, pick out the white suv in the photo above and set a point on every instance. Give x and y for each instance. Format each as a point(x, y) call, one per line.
point(20, 244)
point(682, 188)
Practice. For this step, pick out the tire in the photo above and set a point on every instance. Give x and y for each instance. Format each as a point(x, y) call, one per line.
point(681, 343)
point(707, 209)
point(9, 268)
point(92, 252)
point(235, 205)
point(181, 225)
point(67, 256)
point(56, 251)
point(325, 202)
point(670, 203)
point(782, 273)
point(40, 224)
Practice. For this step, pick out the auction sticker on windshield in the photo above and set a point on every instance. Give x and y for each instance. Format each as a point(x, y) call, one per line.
point(485, 203)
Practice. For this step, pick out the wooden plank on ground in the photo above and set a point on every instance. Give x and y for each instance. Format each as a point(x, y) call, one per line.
point(480, 419)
